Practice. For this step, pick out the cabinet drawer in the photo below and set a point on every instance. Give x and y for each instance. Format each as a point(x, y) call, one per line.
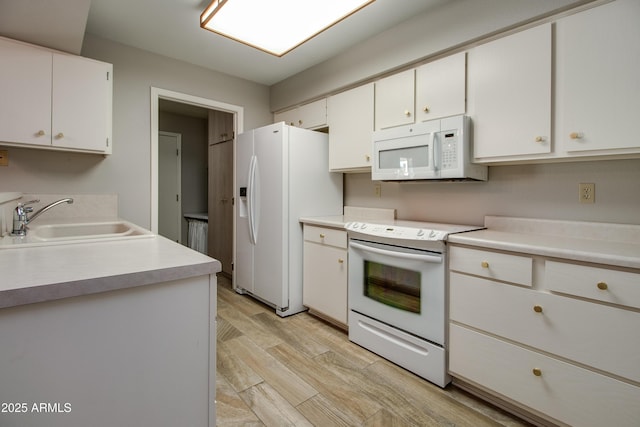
point(602, 284)
point(325, 236)
point(573, 395)
point(593, 334)
point(493, 265)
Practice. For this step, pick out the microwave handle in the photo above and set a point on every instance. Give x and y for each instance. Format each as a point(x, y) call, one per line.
point(396, 254)
point(434, 152)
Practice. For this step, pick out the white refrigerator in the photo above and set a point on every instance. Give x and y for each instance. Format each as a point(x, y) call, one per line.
point(281, 174)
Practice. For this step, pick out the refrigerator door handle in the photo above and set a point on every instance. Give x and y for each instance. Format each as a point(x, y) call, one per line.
point(252, 200)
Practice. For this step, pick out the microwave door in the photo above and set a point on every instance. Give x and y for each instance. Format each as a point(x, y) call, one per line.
point(405, 158)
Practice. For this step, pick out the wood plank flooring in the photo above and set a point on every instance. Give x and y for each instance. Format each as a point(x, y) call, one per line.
point(301, 371)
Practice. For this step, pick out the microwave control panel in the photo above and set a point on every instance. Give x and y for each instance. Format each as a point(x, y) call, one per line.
point(449, 151)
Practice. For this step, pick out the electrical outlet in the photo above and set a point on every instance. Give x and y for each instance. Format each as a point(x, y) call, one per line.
point(377, 190)
point(4, 158)
point(587, 192)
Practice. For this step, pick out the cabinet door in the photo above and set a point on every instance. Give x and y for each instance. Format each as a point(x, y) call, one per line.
point(395, 100)
point(81, 117)
point(510, 94)
point(25, 85)
point(441, 88)
point(325, 280)
point(220, 228)
point(309, 116)
point(350, 118)
point(598, 89)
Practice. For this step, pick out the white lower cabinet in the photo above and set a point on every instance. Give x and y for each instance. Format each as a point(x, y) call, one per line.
point(324, 284)
point(563, 347)
point(549, 386)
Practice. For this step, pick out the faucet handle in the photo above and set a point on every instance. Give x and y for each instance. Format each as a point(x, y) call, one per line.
point(30, 202)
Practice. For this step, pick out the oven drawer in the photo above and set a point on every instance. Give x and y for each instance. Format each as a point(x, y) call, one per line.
point(568, 393)
point(596, 335)
point(602, 284)
point(418, 356)
point(492, 265)
point(325, 236)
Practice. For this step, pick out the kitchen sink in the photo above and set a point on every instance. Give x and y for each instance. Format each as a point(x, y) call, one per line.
point(83, 232)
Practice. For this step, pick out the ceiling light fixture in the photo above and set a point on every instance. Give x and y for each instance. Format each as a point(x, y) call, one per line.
point(276, 26)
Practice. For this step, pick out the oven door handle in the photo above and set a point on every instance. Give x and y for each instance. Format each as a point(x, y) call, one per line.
point(413, 257)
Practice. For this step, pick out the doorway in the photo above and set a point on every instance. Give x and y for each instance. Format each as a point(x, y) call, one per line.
point(237, 119)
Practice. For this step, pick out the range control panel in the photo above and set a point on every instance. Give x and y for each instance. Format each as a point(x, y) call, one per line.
point(396, 232)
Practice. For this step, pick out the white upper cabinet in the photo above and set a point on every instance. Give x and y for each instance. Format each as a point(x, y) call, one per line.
point(395, 100)
point(350, 118)
point(598, 83)
point(441, 88)
point(81, 104)
point(25, 85)
point(54, 100)
point(308, 116)
point(510, 95)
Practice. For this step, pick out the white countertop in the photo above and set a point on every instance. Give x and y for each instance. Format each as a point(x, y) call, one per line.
point(336, 221)
point(43, 273)
point(602, 243)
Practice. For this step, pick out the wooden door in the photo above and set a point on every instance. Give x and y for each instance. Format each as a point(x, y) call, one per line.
point(220, 195)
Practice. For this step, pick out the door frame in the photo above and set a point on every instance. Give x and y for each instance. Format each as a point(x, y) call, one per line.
point(156, 95)
point(178, 137)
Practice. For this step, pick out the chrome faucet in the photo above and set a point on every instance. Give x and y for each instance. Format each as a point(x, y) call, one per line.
point(20, 215)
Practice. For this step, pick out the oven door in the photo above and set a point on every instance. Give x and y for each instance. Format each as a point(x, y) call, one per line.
point(402, 287)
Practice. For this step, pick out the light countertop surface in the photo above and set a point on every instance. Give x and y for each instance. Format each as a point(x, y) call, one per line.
point(602, 243)
point(44, 273)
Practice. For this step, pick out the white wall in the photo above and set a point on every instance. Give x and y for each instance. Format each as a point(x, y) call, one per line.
point(534, 191)
point(127, 171)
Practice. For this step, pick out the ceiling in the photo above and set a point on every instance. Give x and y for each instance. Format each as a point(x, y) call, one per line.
point(172, 28)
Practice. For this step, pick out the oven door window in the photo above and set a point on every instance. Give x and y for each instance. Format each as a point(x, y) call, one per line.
point(393, 286)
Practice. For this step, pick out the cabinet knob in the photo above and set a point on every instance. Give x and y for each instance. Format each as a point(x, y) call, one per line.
point(537, 308)
point(407, 113)
point(576, 135)
point(40, 133)
point(540, 138)
point(425, 109)
point(321, 236)
point(340, 261)
point(300, 122)
point(602, 286)
point(537, 372)
point(367, 157)
point(60, 135)
point(484, 264)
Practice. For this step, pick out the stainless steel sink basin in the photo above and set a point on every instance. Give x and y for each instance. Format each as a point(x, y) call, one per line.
point(82, 232)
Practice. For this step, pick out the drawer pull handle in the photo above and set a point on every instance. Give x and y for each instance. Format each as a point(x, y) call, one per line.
point(537, 372)
point(340, 261)
point(603, 286)
point(40, 133)
point(537, 308)
point(321, 236)
point(484, 264)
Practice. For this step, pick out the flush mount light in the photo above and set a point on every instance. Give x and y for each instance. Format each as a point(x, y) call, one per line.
point(276, 26)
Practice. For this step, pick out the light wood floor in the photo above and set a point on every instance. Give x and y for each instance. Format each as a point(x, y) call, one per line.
point(300, 371)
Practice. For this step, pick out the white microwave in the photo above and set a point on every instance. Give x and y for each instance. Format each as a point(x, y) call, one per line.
point(433, 150)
